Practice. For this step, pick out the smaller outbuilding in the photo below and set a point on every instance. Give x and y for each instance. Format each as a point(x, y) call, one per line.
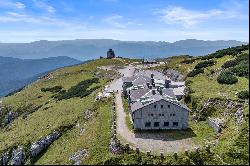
point(110, 54)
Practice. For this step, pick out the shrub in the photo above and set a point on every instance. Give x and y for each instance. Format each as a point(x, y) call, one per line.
point(205, 64)
point(188, 61)
point(54, 89)
point(188, 82)
point(241, 69)
point(242, 57)
point(195, 72)
point(227, 51)
point(230, 63)
point(243, 95)
point(79, 90)
point(227, 77)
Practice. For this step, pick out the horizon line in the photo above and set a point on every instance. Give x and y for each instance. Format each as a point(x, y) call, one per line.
point(118, 40)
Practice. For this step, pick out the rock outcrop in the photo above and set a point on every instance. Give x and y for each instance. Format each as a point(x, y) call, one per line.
point(76, 158)
point(216, 124)
point(18, 156)
point(239, 115)
point(40, 145)
point(9, 117)
point(4, 159)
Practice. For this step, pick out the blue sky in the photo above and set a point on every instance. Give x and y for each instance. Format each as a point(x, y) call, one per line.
point(133, 20)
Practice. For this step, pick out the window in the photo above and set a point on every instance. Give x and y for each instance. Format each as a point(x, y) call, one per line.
point(168, 106)
point(173, 114)
point(162, 114)
point(147, 124)
point(154, 106)
point(159, 114)
point(156, 124)
point(175, 123)
point(161, 106)
point(166, 124)
point(152, 114)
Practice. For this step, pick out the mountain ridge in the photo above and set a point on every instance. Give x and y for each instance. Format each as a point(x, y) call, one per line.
point(85, 49)
point(15, 73)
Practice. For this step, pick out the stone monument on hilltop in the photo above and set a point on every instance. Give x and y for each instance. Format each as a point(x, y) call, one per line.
point(110, 54)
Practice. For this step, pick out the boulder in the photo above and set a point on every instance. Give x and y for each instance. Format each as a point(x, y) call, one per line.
point(88, 114)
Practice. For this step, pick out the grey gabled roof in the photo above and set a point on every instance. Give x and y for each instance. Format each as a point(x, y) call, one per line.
point(147, 73)
point(155, 98)
point(137, 94)
point(168, 92)
point(141, 80)
point(128, 79)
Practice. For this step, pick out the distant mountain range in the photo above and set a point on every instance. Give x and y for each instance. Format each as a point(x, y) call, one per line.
point(15, 73)
point(85, 49)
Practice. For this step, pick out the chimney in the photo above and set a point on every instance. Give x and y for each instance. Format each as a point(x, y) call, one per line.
point(167, 83)
point(153, 91)
point(160, 90)
point(152, 75)
point(152, 81)
point(148, 84)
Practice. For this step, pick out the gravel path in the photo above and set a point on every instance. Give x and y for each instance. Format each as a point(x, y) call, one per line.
point(156, 142)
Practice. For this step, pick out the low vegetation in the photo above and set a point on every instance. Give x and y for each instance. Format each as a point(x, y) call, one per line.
point(54, 89)
point(205, 64)
point(195, 72)
point(227, 77)
point(79, 90)
point(126, 109)
point(243, 94)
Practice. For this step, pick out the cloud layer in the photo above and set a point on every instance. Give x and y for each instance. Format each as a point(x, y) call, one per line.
point(29, 20)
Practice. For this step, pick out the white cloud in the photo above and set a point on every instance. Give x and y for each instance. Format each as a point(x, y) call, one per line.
point(189, 18)
point(118, 21)
point(115, 21)
point(44, 6)
point(20, 5)
point(13, 17)
point(11, 4)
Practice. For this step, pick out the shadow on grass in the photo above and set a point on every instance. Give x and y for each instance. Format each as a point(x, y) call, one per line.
point(165, 135)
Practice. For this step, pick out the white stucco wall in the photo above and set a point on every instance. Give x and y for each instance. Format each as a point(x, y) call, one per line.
point(143, 115)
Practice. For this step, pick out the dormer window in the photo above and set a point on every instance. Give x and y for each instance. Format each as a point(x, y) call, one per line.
point(154, 106)
point(168, 106)
point(161, 106)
